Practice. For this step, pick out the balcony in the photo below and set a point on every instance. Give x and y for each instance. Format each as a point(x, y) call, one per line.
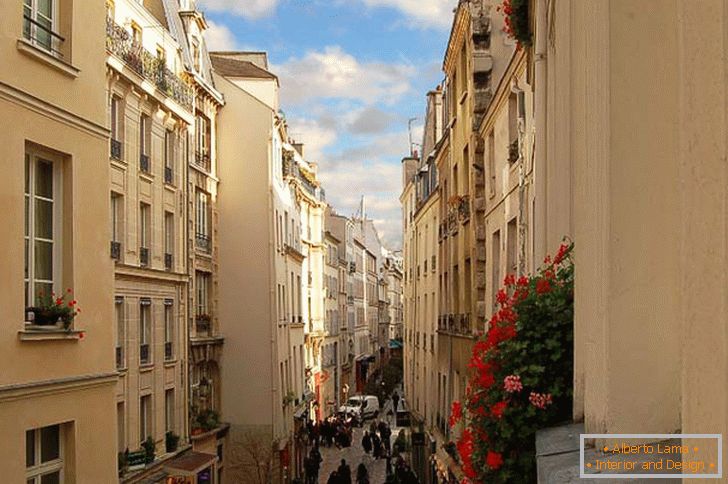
point(464, 208)
point(168, 175)
point(202, 242)
point(144, 354)
point(116, 149)
point(120, 43)
point(168, 261)
point(115, 250)
point(144, 163)
point(202, 159)
point(168, 354)
point(143, 256)
point(119, 357)
point(203, 324)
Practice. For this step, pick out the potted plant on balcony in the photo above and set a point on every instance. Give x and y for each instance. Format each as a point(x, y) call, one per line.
point(149, 447)
point(53, 311)
point(171, 440)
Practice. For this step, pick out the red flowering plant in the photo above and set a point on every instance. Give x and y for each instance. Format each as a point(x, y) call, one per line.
point(516, 21)
point(521, 374)
point(54, 310)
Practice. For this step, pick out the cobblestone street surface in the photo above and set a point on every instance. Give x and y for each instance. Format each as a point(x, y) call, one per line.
point(354, 455)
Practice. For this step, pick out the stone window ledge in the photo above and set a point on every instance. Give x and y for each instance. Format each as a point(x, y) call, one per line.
point(31, 50)
point(44, 333)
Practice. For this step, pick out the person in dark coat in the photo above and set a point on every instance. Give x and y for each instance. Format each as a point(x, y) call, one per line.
point(316, 459)
point(366, 442)
point(395, 401)
point(362, 475)
point(333, 478)
point(386, 434)
point(344, 472)
point(377, 445)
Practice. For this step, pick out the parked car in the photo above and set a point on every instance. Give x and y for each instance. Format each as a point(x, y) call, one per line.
point(361, 406)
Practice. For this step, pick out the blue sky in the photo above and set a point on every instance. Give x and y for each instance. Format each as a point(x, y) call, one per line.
point(352, 73)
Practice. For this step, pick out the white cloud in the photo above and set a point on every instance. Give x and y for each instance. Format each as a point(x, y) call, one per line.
point(333, 73)
point(219, 37)
point(370, 120)
point(252, 9)
point(421, 13)
point(313, 134)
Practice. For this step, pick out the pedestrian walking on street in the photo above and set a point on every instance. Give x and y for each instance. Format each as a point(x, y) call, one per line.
point(333, 478)
point(395, 401)
point(366, 442)
point(377, 446)
point(316, 459)
point(344, 472)
point(362, 475)
point(386, 434)
point(308, 470)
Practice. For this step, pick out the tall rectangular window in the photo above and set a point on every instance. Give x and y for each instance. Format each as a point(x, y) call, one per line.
point(120, 332)
point(491, 162)
point(116, 116)
point(202, 283)
point(145, 232)
point(39, 24)
point(145, 417)
point(42, 227)
point(168, 329)
point(120, 427)
point(145, 331)
point(116, 207)
point(44, 455)
point(170, 141)
point(202, 221)
point(496, 277)
point(145, 141)
point(168, 239)
point(512, 248)
point(203, 135)
point(169, 410)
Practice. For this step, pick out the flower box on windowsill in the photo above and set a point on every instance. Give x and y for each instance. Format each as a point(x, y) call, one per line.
point(34, 332)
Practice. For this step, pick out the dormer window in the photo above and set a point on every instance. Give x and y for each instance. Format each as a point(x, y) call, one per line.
point(196, 53)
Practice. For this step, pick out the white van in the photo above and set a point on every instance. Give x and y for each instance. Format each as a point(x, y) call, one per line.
point(362, 406)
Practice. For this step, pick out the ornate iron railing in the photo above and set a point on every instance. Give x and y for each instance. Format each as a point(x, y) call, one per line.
point(120, 43)
point(116, 149)
point(115, 250)
point(143, 256)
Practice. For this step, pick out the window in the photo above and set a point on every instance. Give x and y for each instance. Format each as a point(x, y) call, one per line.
point(44, 455)
point(116, 208)
point(145, 233)
point(463, 69)
point(136, 33)
point(496, 278)
point(511, 253)
point(202, 221)
point(42, 227)
point(145, 141)
point(145, 331)
point(168, 329)
point(491, 162)
point(196, 53)
point(120, 332)
point(39, 25)
point(168, 239)
point(169, 156)
point(202, 282)
point(169, 410)
point(145, 417)
point(120, 427)
point(116, 127)
point(203, 135)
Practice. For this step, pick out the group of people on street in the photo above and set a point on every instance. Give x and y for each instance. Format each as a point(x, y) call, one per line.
point(377, 440)
point(334, 430)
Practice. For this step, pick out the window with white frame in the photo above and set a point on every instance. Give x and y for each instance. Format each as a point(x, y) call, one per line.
point(202, 220)
point(44, 455)
point(40, 20)
point(170, 141)
point(120, 332)
point(116, 117)
point(145, 225)
point(168, 233)
point(42, 226)
point(116, 211)
point(145, 417)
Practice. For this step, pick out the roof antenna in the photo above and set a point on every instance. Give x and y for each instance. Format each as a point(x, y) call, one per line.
point(409, 133)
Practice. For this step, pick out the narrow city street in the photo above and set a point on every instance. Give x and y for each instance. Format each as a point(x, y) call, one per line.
point(355, 454)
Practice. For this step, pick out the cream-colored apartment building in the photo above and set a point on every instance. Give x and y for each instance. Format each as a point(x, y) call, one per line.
point(57, 385)
point(331, 349)
point(261, 308)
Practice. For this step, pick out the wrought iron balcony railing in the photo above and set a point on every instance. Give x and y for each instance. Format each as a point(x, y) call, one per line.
point(115, 250)
point(143, 256)
point(168, 175)
point(202, 324)
point(119, 357)
point(144, 162)
point(513, 151)
point(120, 43)
point(144, 354)
point(202, 159)
point(202, 241)
point(464, 208)
point(168, 261)
point(168, 353)
point(116, 149)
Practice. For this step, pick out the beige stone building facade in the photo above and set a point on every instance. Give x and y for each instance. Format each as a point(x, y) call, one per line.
point(57, 385)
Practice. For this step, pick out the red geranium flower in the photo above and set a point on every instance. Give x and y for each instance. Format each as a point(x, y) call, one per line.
point(498, 408)
point(456, 413)
point(494, 460)
point(543, 286)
